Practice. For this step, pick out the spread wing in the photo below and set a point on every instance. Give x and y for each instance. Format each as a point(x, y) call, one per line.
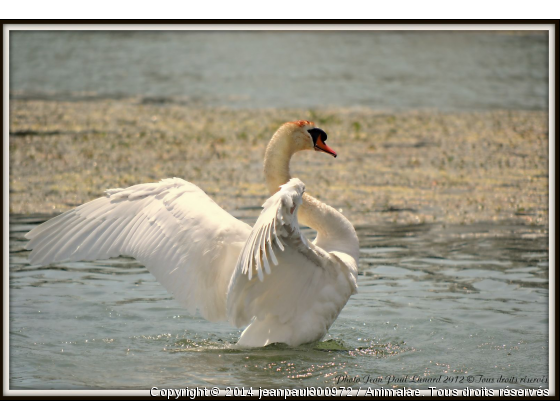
point(184, 238)
point(300, 288)
point(278, 219)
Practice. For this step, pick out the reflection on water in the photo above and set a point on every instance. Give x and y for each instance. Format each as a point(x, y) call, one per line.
point(433, 300)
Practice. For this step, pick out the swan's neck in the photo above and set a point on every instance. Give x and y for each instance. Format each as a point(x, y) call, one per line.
point(334, 231)
point(277, 162)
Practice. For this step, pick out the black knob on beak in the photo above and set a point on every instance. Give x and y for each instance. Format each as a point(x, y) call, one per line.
point(315, 133)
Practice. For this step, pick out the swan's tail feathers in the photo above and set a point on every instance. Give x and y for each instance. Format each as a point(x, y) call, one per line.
point(184, 238)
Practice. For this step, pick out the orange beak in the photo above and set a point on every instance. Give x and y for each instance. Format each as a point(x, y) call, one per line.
point(322, 146)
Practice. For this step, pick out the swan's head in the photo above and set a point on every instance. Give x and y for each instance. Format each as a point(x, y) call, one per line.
point(304, 135)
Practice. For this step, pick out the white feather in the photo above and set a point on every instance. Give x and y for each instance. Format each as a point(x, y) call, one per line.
point(184, 238)
point(303, 292)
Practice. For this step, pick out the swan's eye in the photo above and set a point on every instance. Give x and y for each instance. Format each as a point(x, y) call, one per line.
point(315, 133)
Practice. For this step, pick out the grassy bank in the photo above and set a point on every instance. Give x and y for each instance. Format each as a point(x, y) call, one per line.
point(406, 167)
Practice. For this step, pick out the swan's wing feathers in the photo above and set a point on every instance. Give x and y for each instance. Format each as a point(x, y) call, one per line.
point(184, 238)
point(276, 224)
point(304, 285)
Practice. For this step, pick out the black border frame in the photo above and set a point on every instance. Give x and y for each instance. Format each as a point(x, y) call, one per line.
point(450, 22)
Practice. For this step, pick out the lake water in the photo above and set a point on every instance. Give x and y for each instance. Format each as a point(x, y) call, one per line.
point(446, 70)
point(453, 302)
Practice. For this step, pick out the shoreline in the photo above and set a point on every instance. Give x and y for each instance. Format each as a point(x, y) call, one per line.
point(402, 167)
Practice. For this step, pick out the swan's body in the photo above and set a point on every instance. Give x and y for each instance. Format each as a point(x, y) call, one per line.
point(209, 260)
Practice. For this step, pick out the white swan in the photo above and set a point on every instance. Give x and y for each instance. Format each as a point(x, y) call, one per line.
point(207, 258)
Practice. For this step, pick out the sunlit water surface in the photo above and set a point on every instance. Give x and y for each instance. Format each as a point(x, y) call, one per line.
point(433, 302)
